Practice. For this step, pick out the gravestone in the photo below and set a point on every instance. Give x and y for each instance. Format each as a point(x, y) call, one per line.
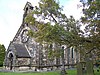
point(85, 68)
point(89, 66)
point(81, 68)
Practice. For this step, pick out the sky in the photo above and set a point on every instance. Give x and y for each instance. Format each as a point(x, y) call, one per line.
point(11, 14)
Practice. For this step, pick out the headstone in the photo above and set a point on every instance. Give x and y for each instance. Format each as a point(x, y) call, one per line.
point(85, 68)
point(81, 68)
point(89, 66)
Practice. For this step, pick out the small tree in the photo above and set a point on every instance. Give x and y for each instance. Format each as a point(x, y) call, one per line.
point(2, 54)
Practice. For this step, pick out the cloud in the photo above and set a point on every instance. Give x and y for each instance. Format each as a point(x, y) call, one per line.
point(71, 9)
point(11, 14)
point(4, 36)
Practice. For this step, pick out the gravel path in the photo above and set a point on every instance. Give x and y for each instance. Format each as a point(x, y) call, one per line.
point(2, 70)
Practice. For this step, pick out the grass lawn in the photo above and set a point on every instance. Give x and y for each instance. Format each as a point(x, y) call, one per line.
point(41, 73)
point(70, 72)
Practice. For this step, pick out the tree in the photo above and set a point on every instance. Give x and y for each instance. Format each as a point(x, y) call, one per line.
point(53, 26)
point(2, 54)
point(91, 35)
point(91, 20)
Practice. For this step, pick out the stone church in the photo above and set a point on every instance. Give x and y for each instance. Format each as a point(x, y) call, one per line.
point(25, 53)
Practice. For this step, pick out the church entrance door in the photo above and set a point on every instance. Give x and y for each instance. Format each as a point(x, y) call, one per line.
point(11, 61)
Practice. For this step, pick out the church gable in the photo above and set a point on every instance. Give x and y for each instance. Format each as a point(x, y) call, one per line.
point(22, 38)
point(19, 47)
point(28, 8)
point(22, 34)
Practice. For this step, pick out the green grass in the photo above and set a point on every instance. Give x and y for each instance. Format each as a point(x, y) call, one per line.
point(70, 72)
point(96, 73)
point(42, 73)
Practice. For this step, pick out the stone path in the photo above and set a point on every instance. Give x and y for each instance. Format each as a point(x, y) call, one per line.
point(27, 71)
point(2, 70)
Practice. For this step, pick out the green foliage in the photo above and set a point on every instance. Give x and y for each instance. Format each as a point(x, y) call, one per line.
point(2, 54)
point(29, 19)
point(70, 72)
point(91, 34)
point(53, 27)
point(42, 73)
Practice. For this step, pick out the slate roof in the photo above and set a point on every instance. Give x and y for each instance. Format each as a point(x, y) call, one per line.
point(21, 51)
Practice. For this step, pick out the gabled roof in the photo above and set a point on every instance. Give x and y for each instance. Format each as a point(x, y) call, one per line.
point(21, 51)
point(28, 4)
